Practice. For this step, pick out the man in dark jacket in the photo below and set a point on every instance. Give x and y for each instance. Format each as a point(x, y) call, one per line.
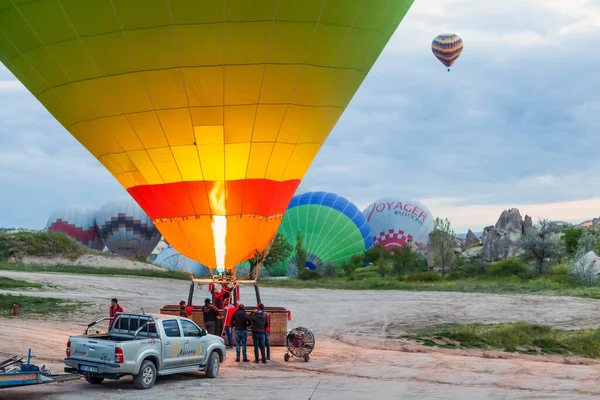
point(259, 325)
point(209, 313)
point(240, 322)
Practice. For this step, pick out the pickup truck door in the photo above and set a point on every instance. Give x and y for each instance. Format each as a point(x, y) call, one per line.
point(194, 342)
point(172, 344)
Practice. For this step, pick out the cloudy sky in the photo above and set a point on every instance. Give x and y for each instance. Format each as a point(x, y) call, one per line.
point(515, 124)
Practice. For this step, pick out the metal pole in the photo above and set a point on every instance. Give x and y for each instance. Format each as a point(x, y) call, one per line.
point(191, 294)
point(257, 293)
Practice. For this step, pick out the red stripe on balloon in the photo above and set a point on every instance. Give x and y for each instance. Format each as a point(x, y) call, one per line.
point(262, 197)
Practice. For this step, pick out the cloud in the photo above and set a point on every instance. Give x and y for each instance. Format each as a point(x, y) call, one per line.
point(514, 124)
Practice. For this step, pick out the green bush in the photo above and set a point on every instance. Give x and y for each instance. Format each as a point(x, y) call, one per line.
point(43, 244)
point(508, 267)
point(559, 270)
point(308, 275)
point(473, 268)
point(423, 277)
point(328, 270)
point(456, 275)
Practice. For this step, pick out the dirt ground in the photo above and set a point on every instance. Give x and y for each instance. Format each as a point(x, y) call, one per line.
point(355, 357)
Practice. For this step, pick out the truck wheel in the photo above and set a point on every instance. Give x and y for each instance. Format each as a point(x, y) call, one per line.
point(212, 366)
point(146, 377)
point(94, 380)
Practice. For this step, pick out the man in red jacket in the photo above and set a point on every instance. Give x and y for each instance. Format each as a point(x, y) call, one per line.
point(114, 309)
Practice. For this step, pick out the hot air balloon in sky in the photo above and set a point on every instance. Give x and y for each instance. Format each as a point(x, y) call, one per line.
point(79, 222)
point(395, 221)
point(209, 113)
point(447, 48)
point(333, 229)
point(126, 229)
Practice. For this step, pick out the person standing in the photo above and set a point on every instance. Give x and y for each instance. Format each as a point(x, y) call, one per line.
point(268, 335)
point(229, 309)
point(114, 309)
point(259, 324)
point(209, 313)
point(240, 322)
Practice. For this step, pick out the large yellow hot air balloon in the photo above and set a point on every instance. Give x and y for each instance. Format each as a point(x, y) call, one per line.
point(209, 112)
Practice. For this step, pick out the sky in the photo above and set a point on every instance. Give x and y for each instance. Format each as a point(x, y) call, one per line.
point(516, 123)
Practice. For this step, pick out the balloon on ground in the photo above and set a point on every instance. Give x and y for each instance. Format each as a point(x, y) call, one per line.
point(333, 229)
point(79, 222)
point(172, 259)
point(209, 113)
point(397, 221)
point(126, 229)
point(447, 48)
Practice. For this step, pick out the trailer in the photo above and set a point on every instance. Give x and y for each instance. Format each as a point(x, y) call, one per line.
point(14, 372)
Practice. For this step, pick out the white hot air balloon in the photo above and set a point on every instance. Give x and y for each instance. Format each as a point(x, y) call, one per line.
point(79, 222)
point(398, 221)
point(172, 259)
point(126, 229)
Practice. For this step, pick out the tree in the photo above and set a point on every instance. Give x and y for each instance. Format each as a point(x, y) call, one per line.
point(351, 265)
point(300, 253)
point(542, 245)
point(375, 253)
point(442, 244)
point(403, 259)
point(279, 252)
point(571, 238)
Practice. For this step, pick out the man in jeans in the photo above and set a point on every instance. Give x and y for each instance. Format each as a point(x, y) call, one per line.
point(240, 322)
point(259, 325)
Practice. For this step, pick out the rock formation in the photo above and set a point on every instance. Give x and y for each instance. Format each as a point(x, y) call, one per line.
point(470, 240)
point(502, 240)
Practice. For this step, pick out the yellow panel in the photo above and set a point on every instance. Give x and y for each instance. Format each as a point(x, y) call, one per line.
point(57, 108)
point(110, 53)
point(300, 160)
point(166, 88)
point(111, 164)
point(163, 161)
point(123, 133)
point(144, 164)
point(124, 162)
point(268, 122)
point(204, 86)
point(207, 116)
point(193, 52)
point(212, 161)
point(279, 83)
point(209, 135)
point(290, 35)
point(94, 136)
point(177, 125)
point(137, 178)
point(242, 84)
point(79, 98)
point(124, 179)
point(247, 43)
point(319, 125)
point(279, 160)
point(239, 122)
point(192, 237)
point(341, 86)
point(293, 124)
point(311, 86)
point(260, 153)
point(187, 159)
point(162, 53)
point(130, 93)
point(236, 160)
point(74, 60)
point(148, 129)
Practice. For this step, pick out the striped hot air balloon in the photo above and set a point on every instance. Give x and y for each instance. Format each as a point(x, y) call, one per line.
point(447, 48)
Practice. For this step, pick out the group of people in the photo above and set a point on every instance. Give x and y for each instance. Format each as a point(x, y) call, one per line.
point(236, 317)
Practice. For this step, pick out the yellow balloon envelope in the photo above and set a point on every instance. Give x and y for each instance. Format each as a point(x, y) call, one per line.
point(209, 112)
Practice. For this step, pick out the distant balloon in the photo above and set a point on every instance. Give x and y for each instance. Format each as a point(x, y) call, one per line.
point(333, 229)
point(79, 222)
point(126, 229)
point(172, 259)
point(447, 48)
point(396, 221)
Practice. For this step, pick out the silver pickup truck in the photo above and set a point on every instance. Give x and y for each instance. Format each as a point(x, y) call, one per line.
point(144, 346)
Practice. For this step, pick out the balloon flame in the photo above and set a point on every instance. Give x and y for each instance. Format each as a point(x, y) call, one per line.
point(219, 227)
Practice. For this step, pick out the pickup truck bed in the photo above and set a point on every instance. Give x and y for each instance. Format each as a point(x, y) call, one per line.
point(144, 346)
